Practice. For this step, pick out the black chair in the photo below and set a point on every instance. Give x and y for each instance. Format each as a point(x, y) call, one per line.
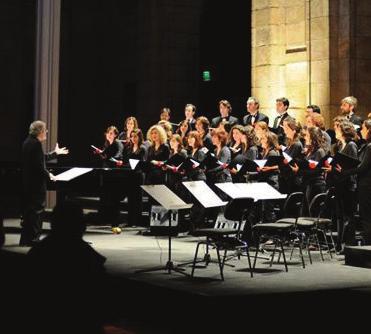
point(280, 231)
point(318, 223)
point(224, 238)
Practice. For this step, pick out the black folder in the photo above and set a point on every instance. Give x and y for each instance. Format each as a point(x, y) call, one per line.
point(239, 159)
point(175, 160)
point(142, 165)
point(211, 161)
point(310, 164)
point(190, 164)
point(345, 161)
point(274, 160)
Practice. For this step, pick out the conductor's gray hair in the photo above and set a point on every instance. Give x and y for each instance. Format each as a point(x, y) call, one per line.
point(36, 128)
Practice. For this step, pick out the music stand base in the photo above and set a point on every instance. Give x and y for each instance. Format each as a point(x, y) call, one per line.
point(169, 267)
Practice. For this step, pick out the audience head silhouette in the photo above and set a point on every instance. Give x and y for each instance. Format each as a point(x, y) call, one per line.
point(68, 220)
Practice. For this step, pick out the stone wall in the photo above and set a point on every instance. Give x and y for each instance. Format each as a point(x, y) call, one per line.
point(312, 52)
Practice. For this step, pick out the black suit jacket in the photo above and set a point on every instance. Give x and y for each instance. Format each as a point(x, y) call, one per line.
point(259, 117)
point(232, 121)
point(356, 120)
point(279, 130)
point(34, 173)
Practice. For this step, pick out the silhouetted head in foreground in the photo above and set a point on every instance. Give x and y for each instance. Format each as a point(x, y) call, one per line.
point(68, 221)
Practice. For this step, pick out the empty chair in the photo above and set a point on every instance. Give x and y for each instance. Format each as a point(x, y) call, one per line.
point(280, 231)
point(223, 238)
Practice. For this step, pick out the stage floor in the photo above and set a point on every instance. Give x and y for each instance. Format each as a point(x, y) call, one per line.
point(131, 251)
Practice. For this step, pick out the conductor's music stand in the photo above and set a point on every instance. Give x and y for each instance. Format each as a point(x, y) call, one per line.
point(170, 202)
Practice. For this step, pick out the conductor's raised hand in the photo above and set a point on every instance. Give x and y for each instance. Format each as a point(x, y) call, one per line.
point(60, 150)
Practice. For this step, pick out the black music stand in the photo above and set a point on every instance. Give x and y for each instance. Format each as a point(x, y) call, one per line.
point(208, 199)
point(259, 191)
point(171, 202)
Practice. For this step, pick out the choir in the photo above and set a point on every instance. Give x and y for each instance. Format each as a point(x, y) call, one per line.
point(298, 158)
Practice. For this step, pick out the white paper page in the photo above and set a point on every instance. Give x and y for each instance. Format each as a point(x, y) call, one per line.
point(167, 199)
point(261, 163)
point(133, 163)
point(204, 194)
point(231, 190)
point(313, 162)
point(260, 191)
point(195, 163)
point(286, 156)
point(72, 173)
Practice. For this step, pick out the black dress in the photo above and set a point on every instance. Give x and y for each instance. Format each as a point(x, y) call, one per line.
point(111, 193)
point(289, 181)
point(313, 179)
point(363, 172)
point(156, 175)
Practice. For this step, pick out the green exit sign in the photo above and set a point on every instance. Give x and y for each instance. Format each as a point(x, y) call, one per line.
point(206, 76)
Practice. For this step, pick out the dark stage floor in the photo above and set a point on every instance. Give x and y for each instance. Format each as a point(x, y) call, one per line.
point(157, 302)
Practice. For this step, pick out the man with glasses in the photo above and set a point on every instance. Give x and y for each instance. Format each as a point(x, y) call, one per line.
point(34, 180)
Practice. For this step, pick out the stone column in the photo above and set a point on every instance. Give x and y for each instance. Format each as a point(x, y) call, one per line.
point(290, 54)
point(47, 72)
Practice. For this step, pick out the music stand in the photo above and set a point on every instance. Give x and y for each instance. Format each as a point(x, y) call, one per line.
point(259, 191)
point(207, 198)
point(171, 202)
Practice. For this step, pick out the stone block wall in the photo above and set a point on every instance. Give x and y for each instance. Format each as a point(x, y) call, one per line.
point(312, 52)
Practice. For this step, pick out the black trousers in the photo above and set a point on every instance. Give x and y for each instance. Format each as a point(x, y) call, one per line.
point(345, 209)
point(33, 206)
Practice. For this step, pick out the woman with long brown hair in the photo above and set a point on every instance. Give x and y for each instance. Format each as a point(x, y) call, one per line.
point(313, 178)
point(289, 181)
point(363, 172)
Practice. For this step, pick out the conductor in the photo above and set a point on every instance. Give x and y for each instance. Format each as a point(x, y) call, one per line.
point(34, 180)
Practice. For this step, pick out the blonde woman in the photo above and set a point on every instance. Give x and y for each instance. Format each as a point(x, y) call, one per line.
point(158, 152)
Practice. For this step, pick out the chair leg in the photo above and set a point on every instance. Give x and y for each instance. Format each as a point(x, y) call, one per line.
point(274, 253)
point(327, 244)
point(319, 245)
point(301, 254)
point(284, 257)
point(220, 263)
point(195, 259)
point(308, 250)
point(332, 241)
point(292, 251)
point(256, 251)
point(249, 260)
point(224, 257)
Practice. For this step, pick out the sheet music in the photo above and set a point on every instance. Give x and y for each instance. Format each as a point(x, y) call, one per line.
point(261, 163)
point(204, 194)
point(167, 199)
point(232, 190)
point(260, 191)
point(286, 156)
point(72, 173)
point(195, 163)
point(133, 163)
